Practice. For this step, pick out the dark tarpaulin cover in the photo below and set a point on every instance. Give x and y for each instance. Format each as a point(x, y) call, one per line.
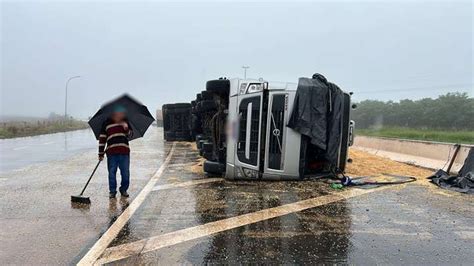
point(317, 113)
point(463, 182)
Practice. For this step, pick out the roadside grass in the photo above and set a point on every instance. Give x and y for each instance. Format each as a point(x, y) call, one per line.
point(454, 136)
point(25, 129)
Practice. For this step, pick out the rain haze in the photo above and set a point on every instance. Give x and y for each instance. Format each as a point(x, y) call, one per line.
point(163, 52)
point(217, 171)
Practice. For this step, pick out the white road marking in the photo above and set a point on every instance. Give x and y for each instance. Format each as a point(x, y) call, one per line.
point(187, 183)
point(468, 235)
point(104, 241)
point(20, 148)
point(393, 232)
point(161, 241)
point(47, 143)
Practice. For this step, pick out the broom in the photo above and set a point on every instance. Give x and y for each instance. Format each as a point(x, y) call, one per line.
point(80, 198)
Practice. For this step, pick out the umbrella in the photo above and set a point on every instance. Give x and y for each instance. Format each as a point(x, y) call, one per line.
point(138, 116)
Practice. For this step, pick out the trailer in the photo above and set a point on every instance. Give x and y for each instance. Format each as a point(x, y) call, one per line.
point(177, 122)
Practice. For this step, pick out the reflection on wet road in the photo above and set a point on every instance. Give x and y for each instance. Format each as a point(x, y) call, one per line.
point(177, 215)
point(38, 224)
point(20, 152)
point(187, 220)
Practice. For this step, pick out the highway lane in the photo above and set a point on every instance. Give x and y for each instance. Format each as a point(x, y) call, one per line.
point(177, 215)
point(38, 223)
point(21, 152)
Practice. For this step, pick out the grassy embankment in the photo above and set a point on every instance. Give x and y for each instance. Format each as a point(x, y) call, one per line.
point(465, 137)
point(24, 129)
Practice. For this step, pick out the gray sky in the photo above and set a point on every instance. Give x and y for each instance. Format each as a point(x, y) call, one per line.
point(164, 52)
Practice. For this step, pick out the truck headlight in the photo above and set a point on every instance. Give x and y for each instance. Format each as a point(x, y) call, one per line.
point(246, 88)
point(250, 173)
point(254, 87)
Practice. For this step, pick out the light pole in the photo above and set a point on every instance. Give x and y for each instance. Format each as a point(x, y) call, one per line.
point(65, 101)
point(245, 71)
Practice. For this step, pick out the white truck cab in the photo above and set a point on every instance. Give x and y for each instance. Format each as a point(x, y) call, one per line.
point(259, 144)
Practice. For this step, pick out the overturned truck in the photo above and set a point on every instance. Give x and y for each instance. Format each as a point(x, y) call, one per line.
point(255, 129)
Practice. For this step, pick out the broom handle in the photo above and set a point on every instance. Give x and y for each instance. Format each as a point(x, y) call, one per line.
point(93, 172)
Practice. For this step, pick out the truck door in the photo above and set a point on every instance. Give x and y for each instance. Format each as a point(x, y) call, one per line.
point(248, 142)
point(282, 144)
point(276, 128)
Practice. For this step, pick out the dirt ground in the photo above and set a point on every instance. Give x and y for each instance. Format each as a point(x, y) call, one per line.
point(363, 164)
point(366, 164)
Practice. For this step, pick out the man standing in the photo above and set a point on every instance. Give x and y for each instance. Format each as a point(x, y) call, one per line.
point(113, 141)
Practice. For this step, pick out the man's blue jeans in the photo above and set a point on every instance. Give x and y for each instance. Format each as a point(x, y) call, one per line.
point(121, 161)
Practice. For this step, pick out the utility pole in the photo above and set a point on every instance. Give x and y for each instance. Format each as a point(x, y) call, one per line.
point(245, 71)
point(65, 100)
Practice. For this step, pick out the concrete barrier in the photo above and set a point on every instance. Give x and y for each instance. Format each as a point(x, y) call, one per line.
point(435, 153)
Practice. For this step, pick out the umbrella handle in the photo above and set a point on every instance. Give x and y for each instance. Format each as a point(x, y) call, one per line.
point(93, 172)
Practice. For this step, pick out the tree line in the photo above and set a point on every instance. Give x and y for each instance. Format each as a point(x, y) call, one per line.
point(449, 111)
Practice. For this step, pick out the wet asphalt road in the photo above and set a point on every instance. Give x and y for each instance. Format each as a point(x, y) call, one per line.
point(39, 225)
point(21, 152)
point(183, 219)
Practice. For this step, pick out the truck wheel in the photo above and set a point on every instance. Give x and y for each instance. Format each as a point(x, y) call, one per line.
point(208, 155)
point(208, 105)
point(177, 106)
point(200, 142)
point(195, 123)
point(198, 138)
point(198, 97)
point(218, 86)
point(207, 147)
point(206, 95)
point(214, 168)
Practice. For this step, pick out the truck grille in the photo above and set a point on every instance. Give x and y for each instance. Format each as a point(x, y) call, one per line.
point(277, 121)
point(254, 104)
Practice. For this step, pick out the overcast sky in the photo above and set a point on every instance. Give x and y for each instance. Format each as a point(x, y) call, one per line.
point(164, 52)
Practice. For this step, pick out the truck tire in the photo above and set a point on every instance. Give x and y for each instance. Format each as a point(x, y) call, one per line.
point(207, 147)
point(208, 155)
point(176, 106)
point(218, 86)
point(198, 97)
point(195, 123)
point(200, 142)
point(206, 95)
point(198, 108)
point(215, 168)
point(198, 138)
point(208, 105)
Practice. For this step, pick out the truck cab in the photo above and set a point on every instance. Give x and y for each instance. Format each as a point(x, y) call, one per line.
point(259, 144)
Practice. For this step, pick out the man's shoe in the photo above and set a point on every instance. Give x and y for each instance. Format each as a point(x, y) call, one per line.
point(112, 195)
point(124, 194)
